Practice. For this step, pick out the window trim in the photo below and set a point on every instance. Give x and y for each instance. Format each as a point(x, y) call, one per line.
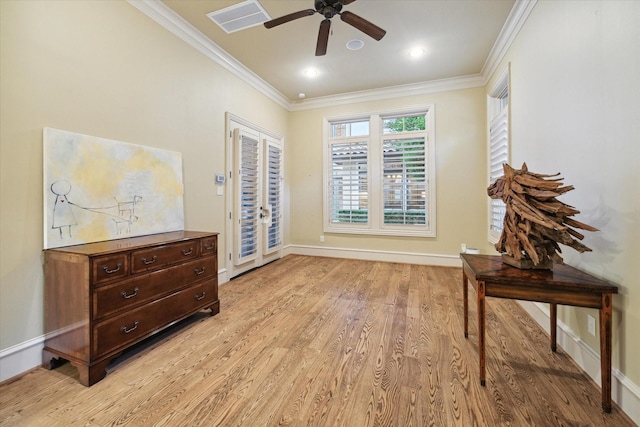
point(375, 165)
point(495, 109)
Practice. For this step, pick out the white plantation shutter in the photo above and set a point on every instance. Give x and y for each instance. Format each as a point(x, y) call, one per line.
point(499, 154)
point(404, 181)
point(498, 147)
point(247, 197)
point(348, 183)
point(273, 192)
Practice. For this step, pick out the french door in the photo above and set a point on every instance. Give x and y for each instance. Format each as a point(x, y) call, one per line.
point(256, 198)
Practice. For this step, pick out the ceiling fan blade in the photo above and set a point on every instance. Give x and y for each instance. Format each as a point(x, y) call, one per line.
point(323, 37)
point(346, 2)
point(363, 25)
point(290, 17)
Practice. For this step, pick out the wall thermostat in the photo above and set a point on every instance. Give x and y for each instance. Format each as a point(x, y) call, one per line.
point(219, 178)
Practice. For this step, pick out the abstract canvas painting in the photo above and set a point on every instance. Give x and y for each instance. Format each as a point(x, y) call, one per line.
point(97, 189)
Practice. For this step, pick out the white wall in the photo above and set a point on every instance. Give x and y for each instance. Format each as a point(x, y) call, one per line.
point(575, 109)
point(461, 181)
point(102, 68)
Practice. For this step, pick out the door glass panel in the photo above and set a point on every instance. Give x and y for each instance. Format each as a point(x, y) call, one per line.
point(247, 196)
point(274, 197)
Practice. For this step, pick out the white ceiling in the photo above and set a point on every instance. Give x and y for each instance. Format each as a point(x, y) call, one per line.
point(457, 36)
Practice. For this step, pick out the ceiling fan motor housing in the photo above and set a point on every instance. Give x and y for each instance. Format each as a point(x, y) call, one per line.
point(328, 10)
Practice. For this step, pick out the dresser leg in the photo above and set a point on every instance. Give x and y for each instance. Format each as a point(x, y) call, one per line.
point(215, 308)
point(89, 375)
point(51, 361)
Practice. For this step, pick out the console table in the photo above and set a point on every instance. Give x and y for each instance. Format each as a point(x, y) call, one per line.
point(561, 285)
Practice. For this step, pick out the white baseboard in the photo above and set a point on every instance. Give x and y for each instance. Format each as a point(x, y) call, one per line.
point(21, 358)
point(372, 255)
point(624, 392)
point(223, 276)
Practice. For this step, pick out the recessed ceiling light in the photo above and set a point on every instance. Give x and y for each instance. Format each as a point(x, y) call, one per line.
point(310, 72)
point(302, 95)
point(416, 52)
point(355, 44)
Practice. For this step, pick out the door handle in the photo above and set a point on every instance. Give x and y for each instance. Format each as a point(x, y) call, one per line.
point(265, 215)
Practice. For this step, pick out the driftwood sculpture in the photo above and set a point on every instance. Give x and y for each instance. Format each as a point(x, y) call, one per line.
point(535, 222)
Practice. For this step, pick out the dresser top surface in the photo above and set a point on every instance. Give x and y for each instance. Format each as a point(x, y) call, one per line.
point(99, 248)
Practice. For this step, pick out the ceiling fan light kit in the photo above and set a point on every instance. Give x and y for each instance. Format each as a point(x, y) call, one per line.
point(328, 9)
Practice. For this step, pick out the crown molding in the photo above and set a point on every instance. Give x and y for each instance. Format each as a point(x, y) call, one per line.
point(389, 92)
point(167, 18)
point(515, 21)
point(173, 22)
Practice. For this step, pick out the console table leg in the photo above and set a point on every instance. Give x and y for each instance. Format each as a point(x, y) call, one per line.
point(605, 351)
point(481, 327)
point(465, 300)
point(553, 327)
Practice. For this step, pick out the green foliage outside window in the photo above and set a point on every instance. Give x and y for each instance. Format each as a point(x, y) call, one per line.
point(404, 124)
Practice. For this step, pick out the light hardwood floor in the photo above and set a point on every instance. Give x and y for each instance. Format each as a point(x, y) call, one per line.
point(312, 341)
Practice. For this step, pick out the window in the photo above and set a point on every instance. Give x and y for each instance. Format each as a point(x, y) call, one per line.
point(380, 175)
point(498, 117)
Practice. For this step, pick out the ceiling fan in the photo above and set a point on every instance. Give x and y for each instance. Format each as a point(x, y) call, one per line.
point(328, 9)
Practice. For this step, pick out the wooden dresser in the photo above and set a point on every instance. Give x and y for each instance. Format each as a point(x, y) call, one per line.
point(101, 298)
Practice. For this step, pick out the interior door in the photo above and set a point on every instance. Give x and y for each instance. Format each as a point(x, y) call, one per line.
point(256, 208)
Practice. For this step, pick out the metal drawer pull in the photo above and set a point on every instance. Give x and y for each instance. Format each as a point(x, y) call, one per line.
point(213, 245)
point(124, 329)
point(106, 268)
point(151, 261)
point(200, 297)
point(199, 272)
point(189, 252)
point(125, 296)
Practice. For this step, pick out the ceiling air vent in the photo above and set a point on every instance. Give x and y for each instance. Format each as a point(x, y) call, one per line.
point(240, 16)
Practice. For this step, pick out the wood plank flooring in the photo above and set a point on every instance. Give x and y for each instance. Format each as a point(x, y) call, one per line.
point(310, 341)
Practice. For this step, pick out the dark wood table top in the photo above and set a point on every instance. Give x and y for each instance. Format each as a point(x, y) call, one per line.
point(490, 268)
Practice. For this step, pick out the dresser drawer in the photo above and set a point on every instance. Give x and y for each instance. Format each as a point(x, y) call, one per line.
point(110, 267)
point(209, 246)
point(123, 295)
point(133, 325)
point(159, 256)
